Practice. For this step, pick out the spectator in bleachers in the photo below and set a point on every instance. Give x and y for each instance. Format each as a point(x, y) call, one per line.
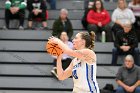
point(37, 11)
point(66, 60)
point(128, 77)
point(62, 24)
point(52, 4)
point(135, 7)
point(84, 18)
point(99, 20)
point(126, 43)
point(87, 3)
point(121, 14)
point(15, 9)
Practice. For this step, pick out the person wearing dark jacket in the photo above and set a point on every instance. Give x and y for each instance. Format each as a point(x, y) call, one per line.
point(62, 24)
point(15, 9)
point(84, 18)
point(88, 3)
point(37, 9)
point(126, 43)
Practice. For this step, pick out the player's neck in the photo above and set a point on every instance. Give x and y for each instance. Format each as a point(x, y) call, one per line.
point(81, 47)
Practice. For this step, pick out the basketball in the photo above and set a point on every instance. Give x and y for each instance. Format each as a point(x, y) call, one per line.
point(53, 49)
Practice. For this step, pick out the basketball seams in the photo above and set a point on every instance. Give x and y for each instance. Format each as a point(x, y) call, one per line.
point(56, 51)
point(53, 49)
point(54, 45)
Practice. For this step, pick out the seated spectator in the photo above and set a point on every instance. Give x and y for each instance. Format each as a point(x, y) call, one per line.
point(126, 43)
point(37, 10)
point(121, 14)
point(98, 19)
point(87, 3)
point(84, 18)
point(128, 77)
point(52, 4)
point(66, 60)
point(62, 24)
point(15, 9)
point(135, 7)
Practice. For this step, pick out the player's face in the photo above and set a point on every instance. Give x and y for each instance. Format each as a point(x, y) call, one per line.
point(77, 41)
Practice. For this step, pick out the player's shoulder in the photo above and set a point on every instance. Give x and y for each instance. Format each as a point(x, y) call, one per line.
point(88, 52)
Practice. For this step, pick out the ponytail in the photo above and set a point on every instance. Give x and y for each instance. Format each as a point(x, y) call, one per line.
point(92, 37)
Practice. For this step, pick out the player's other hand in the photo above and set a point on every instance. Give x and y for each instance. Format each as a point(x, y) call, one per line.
point(53, 39)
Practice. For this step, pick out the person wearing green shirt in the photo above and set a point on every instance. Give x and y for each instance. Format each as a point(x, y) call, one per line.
point(15, 9)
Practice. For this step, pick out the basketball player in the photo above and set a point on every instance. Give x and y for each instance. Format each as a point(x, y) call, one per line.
point(83, 66)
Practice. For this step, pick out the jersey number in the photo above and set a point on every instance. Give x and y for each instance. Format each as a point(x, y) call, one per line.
point(74, 74)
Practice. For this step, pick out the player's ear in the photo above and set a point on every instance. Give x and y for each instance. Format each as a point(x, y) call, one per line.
point(83, 42)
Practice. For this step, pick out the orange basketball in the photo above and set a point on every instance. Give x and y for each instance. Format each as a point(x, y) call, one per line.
point(53, 49)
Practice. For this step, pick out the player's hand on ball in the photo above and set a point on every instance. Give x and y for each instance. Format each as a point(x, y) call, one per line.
point(53, 39)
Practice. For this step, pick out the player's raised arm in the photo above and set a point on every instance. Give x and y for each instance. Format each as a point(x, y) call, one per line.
point(63, 74)
point(83, 43)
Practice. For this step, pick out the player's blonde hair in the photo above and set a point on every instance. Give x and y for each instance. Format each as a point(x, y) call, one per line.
point(89, 39)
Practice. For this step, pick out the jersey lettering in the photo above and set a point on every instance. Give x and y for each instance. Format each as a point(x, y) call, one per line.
point(74, 74)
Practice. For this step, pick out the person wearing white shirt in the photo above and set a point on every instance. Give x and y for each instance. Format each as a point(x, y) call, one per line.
point(120, 15)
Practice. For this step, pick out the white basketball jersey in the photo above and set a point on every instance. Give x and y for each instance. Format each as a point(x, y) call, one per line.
point(84, 77)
